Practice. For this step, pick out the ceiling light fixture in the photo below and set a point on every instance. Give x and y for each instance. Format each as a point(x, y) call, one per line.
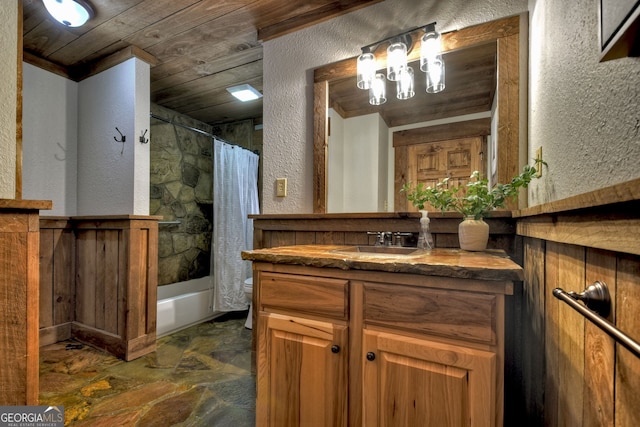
point(71, 13)
point(244, 92)
point(431, 63)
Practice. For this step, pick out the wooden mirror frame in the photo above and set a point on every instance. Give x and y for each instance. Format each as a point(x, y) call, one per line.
point(504, 32)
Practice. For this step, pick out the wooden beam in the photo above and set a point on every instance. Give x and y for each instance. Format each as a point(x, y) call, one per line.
point(623, 192)
point(619, 235)
point(96, 67)
point(468, 129)
point(84, 71)
point(321, 122)
point(46, 65)
point(313, 17)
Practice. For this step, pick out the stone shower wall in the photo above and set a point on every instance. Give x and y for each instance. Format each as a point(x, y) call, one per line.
point(182, 189)
point(245, 135)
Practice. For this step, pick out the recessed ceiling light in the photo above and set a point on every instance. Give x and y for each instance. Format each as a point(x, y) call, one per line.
point(72, 13)
point(244, 92)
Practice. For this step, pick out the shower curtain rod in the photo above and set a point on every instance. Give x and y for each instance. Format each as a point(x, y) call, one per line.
point(189, 128)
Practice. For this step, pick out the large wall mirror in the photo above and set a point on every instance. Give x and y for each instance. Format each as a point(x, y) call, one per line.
point(479, 57)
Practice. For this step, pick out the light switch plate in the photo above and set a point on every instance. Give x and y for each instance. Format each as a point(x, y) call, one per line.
point(281, 187)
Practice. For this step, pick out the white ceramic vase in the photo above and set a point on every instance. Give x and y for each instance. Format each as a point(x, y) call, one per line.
point(473, 234)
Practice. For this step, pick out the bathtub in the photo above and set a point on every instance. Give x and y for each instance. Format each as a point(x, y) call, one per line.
point(183, 304)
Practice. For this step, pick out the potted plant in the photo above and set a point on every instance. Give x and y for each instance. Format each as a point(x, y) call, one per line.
point(474, 204)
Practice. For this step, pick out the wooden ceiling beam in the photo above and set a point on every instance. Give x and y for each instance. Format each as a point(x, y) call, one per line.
point(313, 17)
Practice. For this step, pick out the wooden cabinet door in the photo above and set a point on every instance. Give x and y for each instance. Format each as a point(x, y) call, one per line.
point(302, 372)
point(456, 159)
point(417, 382)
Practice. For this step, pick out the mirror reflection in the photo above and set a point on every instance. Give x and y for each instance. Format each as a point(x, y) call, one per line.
point(364, 153)
point(360, 143)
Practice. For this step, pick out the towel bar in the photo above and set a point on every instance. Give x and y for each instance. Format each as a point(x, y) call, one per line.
point(598, 302)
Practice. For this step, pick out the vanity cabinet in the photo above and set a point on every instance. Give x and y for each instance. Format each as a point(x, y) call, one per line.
point(434, 363)
point(302, 358)
point(419, 382)
point(354, 347)
point(303, 379)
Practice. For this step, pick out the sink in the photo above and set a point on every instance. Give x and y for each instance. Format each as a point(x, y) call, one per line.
point(380, 250)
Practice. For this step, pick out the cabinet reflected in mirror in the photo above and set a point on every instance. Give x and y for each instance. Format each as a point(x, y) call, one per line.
point(352, 170)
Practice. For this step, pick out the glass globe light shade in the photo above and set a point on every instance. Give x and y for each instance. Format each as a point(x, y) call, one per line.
point(435, 76)
point(366, 70)
point(405, 83)
point(430, 47)
point(71, 13)
point(396, 59)
point(378, 90)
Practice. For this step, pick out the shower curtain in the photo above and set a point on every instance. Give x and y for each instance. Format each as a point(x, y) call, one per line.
point(235, 195)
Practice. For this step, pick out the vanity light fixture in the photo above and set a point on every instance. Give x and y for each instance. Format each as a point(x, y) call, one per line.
point(244, 92)
point(71, 13)
point(398, 71)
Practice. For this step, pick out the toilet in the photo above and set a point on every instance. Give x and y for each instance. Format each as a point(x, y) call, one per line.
point(248, 290)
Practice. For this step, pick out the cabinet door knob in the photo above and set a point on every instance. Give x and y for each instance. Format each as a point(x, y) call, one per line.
point(371, 356)
point(335, 349)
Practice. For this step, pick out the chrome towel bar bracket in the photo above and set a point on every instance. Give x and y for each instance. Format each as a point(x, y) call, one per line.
point(597, 299)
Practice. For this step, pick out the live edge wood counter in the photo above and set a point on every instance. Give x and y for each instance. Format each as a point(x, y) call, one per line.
point(348, 339)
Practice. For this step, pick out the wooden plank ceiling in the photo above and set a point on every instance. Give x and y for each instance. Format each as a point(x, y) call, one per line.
point(200, 47)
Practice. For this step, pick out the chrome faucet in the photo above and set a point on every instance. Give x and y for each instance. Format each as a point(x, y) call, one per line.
point(398, 235)
point(383, 238)
point(387, 238)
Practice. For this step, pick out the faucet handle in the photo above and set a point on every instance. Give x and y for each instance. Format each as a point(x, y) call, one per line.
point(398, 235)
point(379, 237)
point(387, 238)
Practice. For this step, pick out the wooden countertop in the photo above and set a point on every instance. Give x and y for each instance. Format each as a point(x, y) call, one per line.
point(485, 265)
point(26, 204)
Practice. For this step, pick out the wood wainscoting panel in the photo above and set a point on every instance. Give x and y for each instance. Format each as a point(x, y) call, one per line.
point(86, 278)
point(530, 330)
point(599, 356)
point(588, 379)
point(116, 285)
point(614, 234)
point(57, 280)
point(276, 230)
point(551, 333)
point(19, 306)
point(571, 268)
point(14, 300)
point(627, 372)
point(99, 282)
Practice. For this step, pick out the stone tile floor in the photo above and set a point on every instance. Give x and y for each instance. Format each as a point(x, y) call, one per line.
point(200, 376)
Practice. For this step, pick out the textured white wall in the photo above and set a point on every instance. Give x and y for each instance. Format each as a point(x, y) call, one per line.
point(50, 139)
point(357, 154)
point(8, 94)
point(362, 140)
point(142, 166)
point(288, 79)
point(384, 144)
point(108, 181)
point(585, 114)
